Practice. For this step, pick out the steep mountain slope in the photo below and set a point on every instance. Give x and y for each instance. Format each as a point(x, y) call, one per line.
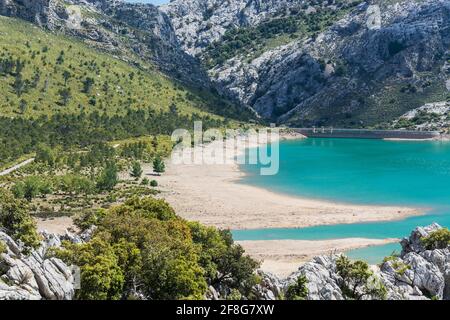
point(336, 62)
point(44, 74)
point(123, 29)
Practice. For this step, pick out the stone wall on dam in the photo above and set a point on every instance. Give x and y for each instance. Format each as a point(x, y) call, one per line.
point(366, 134)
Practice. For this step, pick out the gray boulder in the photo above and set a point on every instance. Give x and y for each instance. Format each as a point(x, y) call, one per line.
point(34, 275)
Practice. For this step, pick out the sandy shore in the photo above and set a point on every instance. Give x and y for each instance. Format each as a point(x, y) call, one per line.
point(283, 257)
point(212, 195)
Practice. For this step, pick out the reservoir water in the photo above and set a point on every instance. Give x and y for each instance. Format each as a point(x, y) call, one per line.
point(378, 172)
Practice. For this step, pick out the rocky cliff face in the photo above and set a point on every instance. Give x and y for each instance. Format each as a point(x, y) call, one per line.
point(198, 23)
point(33, 275)
point(362, 64)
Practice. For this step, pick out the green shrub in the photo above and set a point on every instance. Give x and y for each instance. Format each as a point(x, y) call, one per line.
point(15, 218)
point(358, 281)
point(108, 177)
point(3, 248)
point(298, 290)
point(438, 239)
point(136, 170)
point(143, 244)
point(154, 183)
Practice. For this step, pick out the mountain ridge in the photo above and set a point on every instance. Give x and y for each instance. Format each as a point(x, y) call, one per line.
point(307, 79)
point(348, 63)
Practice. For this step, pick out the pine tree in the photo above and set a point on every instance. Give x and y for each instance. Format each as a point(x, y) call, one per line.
point(23, 106)
point(136, 170)
point(65, 96)
point(158, 165)
point(66, 76)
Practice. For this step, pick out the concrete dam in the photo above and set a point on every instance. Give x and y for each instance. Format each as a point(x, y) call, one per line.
point(366, 133)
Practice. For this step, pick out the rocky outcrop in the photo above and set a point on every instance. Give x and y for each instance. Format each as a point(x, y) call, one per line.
point(33, 275)
point(429, 117)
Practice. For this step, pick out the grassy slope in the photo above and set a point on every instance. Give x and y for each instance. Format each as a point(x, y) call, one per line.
point(40, 51)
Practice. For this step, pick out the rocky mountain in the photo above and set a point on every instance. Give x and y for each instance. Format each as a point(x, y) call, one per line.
point(337, 62)
point(133, 32)
point(349, 63)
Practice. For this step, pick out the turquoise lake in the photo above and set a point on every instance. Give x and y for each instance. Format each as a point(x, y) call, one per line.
point(378, 172)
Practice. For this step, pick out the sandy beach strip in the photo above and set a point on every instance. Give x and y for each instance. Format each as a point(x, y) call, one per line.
point(283, 257)
point(212, 194)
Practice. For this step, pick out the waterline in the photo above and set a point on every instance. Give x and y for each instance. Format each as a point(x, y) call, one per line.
point(361, 172)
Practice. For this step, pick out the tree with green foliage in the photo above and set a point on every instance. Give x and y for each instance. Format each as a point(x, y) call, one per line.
point(45, 154)
point(18, 85)
point(16, 220)
point(31, 187)
point(101, 275)
point(224, 261)
point(65, 95)
point(66, 76)
point(159, 255)
point(153, 183)
point(297, 290)
point(23, 105)
point(88, 83)
point(136, 170)
point(358, 281)
point(439, 239)
point(108, 178)
point(78, 184)
point(159, 165)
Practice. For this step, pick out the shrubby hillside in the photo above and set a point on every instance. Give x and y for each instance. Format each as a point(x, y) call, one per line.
point(59, 91)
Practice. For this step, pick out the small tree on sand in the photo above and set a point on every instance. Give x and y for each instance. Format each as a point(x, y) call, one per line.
point(136, 170)
point(158, 165)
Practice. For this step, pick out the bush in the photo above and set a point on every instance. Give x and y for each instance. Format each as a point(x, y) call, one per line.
point(145, 182)
point(298, 290)
point(32, 187)
point(101, 276)
point(224, 261)
point(439, 239)
point(143, 248)
point(358, 281)
point(108, 178)
point(154, 183)
point(158, 165)
point(14, 217)
point(3, 248)
point(136, 170)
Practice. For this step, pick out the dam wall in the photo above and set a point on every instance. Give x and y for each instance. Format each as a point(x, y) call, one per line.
point(366, 133)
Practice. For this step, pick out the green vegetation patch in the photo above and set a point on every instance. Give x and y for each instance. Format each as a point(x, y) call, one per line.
point(279, 30)
point(439, 239)
point(143, 248)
